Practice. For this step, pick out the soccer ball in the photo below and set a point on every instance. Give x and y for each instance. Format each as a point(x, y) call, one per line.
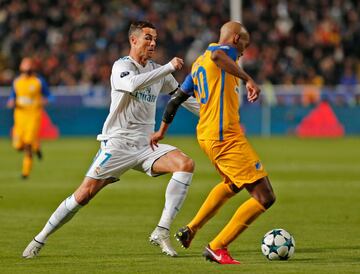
point(278, 244)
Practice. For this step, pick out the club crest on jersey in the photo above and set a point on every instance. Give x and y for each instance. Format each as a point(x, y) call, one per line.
point(258, 166)
point(97, 170)
point(145, 95)
point(32, 88)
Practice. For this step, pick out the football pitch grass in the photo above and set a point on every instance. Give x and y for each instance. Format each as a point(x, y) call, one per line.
point(317, 182)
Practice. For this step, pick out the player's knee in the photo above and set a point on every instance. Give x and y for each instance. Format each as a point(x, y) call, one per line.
point(83, 196)
point(187, 165)
point(28, 150)
point(268, 200)
point(18, 148)
point(234, 188)
point(89, 188)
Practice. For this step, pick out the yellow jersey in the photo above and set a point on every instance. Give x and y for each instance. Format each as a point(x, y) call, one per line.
point(28, 91)
point(217, 93)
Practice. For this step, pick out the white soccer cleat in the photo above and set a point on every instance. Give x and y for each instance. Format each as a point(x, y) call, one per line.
point(161, 237)
point(33, 249)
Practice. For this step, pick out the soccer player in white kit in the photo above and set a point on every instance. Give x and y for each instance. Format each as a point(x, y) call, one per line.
point(136, 82)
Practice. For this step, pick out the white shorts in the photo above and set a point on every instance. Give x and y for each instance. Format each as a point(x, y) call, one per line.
point(117, 156)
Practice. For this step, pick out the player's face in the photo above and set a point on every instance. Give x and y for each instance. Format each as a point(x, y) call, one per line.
point(26, 66)
point(146, 43)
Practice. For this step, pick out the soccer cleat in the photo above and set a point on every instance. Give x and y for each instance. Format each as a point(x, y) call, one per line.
point(220, 256)
point(184, 236)
point(161, 237)
point(33, 249)
point(39, 154)
point(24, 177)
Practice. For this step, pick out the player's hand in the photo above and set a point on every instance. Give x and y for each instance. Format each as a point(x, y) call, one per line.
point(44, 102)
point(253, 91)
point(155, 138)
point(177, 63)
point(10, 103)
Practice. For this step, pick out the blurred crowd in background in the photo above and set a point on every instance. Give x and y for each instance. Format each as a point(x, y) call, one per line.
point(76, 41)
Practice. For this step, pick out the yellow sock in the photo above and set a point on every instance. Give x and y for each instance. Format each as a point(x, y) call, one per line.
point(27, 164)
point(216, 198)
point(242, 218)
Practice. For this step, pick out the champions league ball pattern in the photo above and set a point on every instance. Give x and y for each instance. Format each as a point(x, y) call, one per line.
point(278, 244)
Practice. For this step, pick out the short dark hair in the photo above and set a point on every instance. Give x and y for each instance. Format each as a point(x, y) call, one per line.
point(139, 25)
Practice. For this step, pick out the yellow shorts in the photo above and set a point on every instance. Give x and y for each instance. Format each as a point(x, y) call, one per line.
point(235, 159)
point(26, 128)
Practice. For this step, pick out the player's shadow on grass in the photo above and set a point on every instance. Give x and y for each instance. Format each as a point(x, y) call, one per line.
point(321, 249)
point(149, 254)
point(191, 255)
point(181, 255)
point(343, 256)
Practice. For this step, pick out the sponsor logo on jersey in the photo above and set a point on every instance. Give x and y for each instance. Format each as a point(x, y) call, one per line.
point(145, 95)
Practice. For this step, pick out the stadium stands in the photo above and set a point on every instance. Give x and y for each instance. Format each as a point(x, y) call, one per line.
point(76, 42)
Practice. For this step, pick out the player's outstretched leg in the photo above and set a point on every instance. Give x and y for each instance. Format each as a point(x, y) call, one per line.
point(161, 237)
point(216, 198)
point(175, 195)
point(66, 210)
point(27, 162)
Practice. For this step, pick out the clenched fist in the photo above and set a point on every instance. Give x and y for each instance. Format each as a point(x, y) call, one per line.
point(177, 63)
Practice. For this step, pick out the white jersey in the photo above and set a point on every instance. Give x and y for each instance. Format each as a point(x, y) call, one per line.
point(134, 92)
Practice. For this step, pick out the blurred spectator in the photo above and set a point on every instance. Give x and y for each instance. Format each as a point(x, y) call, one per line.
point(76, 41)
point(311, 92)
point(301, 35)
point(349, 82)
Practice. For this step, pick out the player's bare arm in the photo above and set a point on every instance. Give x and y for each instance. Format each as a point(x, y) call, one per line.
point(44, 101)
point(223, 61)
point(169, 114)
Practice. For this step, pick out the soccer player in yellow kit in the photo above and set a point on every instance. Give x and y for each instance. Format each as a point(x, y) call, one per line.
point(214, 81)
point(29, 94)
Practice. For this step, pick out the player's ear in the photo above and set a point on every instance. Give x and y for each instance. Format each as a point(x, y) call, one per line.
point(133, 39)
point(236, 38)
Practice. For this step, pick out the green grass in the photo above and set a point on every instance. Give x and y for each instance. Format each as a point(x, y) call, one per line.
point(317, 183)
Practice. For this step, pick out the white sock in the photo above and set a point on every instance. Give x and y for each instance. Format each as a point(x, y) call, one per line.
point(175, 195)
point(66, 210)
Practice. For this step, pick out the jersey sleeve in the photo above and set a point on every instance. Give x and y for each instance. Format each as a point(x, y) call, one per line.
point(45, 91)
point(12, 95)
point(126, 77)
point(230, 51)
point(188, 85)
point(170, 84)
